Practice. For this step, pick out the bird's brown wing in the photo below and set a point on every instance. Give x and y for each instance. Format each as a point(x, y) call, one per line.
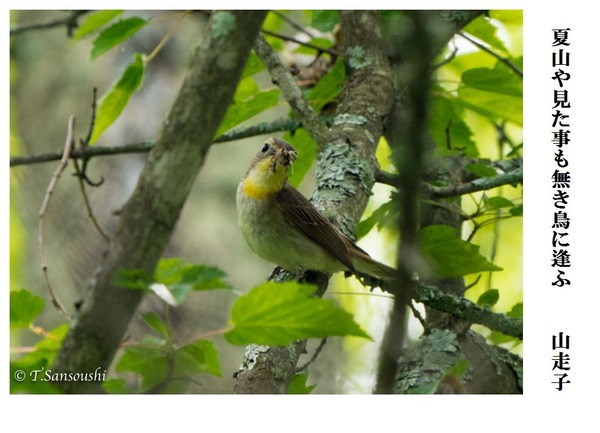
point(301, 213)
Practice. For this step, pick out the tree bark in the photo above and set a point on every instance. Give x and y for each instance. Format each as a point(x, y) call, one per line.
point(149, 217)
point(345, 171)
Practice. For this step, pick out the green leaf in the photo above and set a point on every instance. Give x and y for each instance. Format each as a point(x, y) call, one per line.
point(458, 369)
point(487, 32)
point(383, 216)
point(307, 153)
point(298, 384)
point(325, 21)
point(115, 34)
point(112, 104)
point(180, 278)
point(24, 308)
point(497, 202)
point(155, 322)
point(323, 43)
point(499, 79)
point(253, 65)
point(135, 279)
point(277, 314)
point(489, 297)
point(494, 106)
point(516, 311)
point(517, 210)
point(94, 21)
point(151, 364)
point(328, 88)
point(116, 386)
point(240, 111)
point(481, 169)
point(448, 129)
point(450, 256)
point(196, 358)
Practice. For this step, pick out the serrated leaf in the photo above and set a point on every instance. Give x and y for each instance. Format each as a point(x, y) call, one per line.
point(115, 34)
point(325, 21)
point(199, 357)
point(307, 153)
point(241, 111)
point(298, 384)
point(328, 88)
point(489, 298)
point(449, 256)
point(516, 311)
point(277, 314)
point(96, 20)
point(151, 364)
point(155, 322)
point(112, 104)
point(180, 278)
point(24, 308)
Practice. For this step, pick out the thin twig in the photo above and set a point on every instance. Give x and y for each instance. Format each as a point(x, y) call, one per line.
point(264, 128)
point(281, 77)
point(496, 55)
point(42, 214)
point(86, 201)
point(293, 23)
point(312, 358)
point(70, 21)
point(166, 37)
point(481, 184)
point(329, 51)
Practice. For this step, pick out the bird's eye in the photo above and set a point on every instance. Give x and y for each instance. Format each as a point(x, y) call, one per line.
point(265, 148)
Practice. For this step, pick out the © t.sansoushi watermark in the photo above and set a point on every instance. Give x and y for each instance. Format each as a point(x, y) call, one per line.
point(47, 375)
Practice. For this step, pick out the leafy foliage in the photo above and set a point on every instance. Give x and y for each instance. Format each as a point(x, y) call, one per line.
point(277, 314)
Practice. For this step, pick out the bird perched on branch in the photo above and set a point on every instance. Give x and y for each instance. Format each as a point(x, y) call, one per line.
point(281, 226)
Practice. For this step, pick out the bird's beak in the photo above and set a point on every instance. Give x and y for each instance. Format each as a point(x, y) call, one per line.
point(282, 157)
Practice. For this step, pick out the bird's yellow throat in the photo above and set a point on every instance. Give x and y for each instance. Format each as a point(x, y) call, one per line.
point(261, 182)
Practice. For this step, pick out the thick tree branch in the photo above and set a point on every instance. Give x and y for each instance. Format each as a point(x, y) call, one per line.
point(466, 310)
point(347, 149)
point(150, 215)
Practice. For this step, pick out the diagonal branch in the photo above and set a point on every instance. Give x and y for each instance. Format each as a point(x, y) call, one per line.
point(149, 217)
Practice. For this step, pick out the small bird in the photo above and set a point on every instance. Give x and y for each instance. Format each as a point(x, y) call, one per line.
point(282, 227)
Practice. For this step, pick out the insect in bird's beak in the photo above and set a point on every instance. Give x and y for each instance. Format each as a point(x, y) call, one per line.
point(282, 157)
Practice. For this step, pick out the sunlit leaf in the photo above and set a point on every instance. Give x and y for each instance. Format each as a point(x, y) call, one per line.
point(94, 21)
point(450, 256)
point(155, 322)
point(112, 104)
point(115, 34)
point(24, 308)
point(241, 111)
point(281, 313)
